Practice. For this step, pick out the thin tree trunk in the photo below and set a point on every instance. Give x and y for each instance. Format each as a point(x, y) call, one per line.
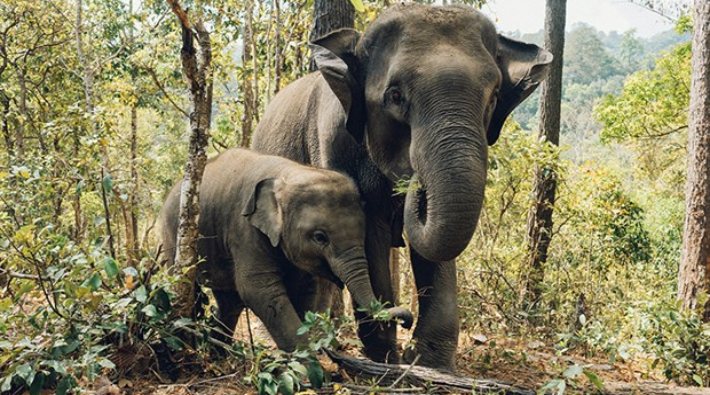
point(132, 228)
point(394, 274)
point(277, 47)
point(199, 79)
point(540, 217)
point(22, 107)
point(247, 75)
point(330, 15)
point(694, 272)
point(88, 80)
point(132, 239)
point(9, 143)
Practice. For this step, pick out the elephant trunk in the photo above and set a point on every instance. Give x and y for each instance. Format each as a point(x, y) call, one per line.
point(445, 198)
point(352, 269)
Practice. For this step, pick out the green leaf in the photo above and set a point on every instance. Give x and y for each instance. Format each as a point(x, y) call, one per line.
point(302, 330)
point(174, 343)
point(93, 282)
point(141, 294)
point(357, 4)
point(594, 379)
point(64, 385)
point(298, 368)
point(315, 374)
point(106, 363)
point(107, 183)
point(573, 371)
point(25, 372)
point(57, 366)
point(555, 384)
point(698, 379)
point(150, 310)
point(182, 322)
point(6, 383)
point(111, 267)
point(286, 383)
point(37, 384)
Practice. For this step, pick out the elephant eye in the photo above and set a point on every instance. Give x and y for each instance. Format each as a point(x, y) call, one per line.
point(320, 237)
point(394, 95)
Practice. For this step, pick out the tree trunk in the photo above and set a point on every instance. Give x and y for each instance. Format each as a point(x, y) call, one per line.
point(330, 15)
point(9, 144)
point(132, 229)
point(88, 80)
point(22, 108)
point(277, 46)
point(198, 75)
point(540, 217)
point(694, 272)
point(248, 75)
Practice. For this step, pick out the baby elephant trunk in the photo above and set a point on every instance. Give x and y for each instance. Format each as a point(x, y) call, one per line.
point(351, 268)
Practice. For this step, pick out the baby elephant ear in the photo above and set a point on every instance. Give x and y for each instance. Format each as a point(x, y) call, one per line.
point(263, 211)
point(334, 54)
point(523, 67)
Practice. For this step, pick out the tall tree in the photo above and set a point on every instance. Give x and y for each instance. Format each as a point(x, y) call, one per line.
point(331, 15)
point(198, 74)
point(248, 58)
point(540, 218)
point(694, 273)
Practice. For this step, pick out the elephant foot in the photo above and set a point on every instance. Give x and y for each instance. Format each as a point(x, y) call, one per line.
point(436, 355)
point(379, 344)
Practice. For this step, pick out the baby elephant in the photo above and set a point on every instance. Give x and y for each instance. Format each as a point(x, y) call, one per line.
point(267, 227)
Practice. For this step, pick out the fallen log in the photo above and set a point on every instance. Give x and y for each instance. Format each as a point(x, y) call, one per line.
point(390, 379)
point(428, 379)
point(652, 388)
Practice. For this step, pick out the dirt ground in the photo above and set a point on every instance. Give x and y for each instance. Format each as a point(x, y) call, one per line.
point(524, 363)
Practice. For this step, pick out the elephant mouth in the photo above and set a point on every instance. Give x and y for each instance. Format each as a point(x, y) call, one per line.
point(325, 272)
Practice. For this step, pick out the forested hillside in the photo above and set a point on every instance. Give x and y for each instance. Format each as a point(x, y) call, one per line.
point(95, 131)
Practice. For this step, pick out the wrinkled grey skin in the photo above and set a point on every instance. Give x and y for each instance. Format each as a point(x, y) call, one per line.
point(420, 95)
point(267, 227)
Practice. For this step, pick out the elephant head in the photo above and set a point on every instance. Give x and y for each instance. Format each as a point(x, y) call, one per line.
point(317, 220)
point(427, 89)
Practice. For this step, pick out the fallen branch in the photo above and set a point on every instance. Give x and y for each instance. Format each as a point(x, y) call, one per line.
point(652, 388)
point(419, 376)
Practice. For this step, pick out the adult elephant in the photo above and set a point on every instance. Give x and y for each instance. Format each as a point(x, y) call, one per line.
point(418, 97)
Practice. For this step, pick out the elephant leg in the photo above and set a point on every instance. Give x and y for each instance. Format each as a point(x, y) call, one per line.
point(229, 307)
point(437, 331)
point(379, 339)
point(265, 294)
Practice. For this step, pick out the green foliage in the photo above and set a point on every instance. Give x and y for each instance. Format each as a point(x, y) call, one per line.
point(652, 103)
point(680, 343)
point(586, 59)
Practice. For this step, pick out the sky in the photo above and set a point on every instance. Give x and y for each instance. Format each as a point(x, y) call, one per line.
point(528, 16)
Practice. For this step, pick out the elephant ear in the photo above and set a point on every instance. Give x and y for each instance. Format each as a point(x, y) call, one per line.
point(523, 66)
point(263, 211)
point(334, 55)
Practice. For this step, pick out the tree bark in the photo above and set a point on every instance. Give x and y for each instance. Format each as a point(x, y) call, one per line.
point(132, 229)
point(277, 47)
point(694, 272)
point(540, 217)
point(330, 15)
point(198, 75)
point(248, 75)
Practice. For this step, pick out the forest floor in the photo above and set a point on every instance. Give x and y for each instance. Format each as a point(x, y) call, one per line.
point(523, 363)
